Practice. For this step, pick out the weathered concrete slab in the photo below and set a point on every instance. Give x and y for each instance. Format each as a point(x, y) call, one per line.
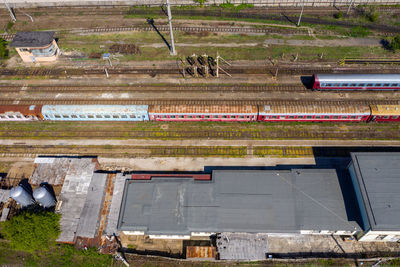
point(112, 218)
point(242, 246)
point(90, 214)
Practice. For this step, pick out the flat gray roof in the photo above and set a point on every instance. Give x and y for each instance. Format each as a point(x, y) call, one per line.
point(32, 39)
point(236, 201)
point(378, 176)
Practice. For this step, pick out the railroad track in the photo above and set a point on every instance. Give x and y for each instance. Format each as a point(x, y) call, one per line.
point(195, 102)
point(270, 70)
point(371, 61)
point(153, 89)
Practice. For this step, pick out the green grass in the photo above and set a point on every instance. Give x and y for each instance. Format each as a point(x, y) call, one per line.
point(60, 255)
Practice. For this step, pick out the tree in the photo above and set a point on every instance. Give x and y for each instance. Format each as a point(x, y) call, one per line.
point(395, 43)
point(3, 49)
point(32, 231)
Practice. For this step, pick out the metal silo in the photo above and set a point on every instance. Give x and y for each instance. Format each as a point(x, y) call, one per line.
point(22, 196)
point(44, 197)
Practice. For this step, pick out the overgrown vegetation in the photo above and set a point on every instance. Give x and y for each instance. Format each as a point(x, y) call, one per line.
point(200, 2)
point(395, 43)
point(3, 49)
point(32, 231)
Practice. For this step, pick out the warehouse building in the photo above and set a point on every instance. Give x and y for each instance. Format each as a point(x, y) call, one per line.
point(376, 179)
point(36, 46)
point(299, 201)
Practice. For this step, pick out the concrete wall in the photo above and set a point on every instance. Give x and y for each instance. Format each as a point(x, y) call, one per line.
point(383, 236)
point(34, 3)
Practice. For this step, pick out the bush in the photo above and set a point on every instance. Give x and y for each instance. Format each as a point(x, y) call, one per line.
point(395, 43)
point(10, 24)
point(338, 15)
point(200, 2)
point(32, 231)
point(3, 49)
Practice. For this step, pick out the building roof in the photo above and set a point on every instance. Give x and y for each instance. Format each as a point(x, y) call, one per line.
point(378, 176)
point(236, 201)
point(195, 109)
point(385, 110)
point(32, 39)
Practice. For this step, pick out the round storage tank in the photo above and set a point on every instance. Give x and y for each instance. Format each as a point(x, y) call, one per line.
point(22, 196)
point(44, 197)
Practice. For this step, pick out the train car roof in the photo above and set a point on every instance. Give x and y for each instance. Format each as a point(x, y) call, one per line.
point(359, 77)
point(385, 110)
point(23, 109)
point(196, 109)
point(314, 109)
point(94, 109)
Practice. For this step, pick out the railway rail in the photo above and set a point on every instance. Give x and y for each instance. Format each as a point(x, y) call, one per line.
point(371, 61)
point(79, 101)
point(173, 69)
point(154, 89)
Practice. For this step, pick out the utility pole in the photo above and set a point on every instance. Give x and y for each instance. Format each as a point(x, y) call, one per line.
point(173, 52)
point(301, 14)
point(11, 12)
point(351, 4)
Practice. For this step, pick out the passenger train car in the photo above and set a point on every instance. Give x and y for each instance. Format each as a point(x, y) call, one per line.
point(245, 113)
point(203, 113)
point(356, 82)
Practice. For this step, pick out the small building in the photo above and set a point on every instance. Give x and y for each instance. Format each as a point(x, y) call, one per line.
point(36, 46)
point(376, 180)
point(299, 201)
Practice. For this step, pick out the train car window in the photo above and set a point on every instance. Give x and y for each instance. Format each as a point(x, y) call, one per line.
point(124, 116)
point(326, 117)
point(224, 117)
point(215, 116)
point(274, 117)
point(198, 117)
point(394, 85)
point(323, 85)
point(353, 85)
point(309, 117)
point(361, 84)
point(99, 116)
point(172, 116)
point(300, 117)
point(163, 116)
point(57, 116)
point(345, 84)
point(336, 85)
point(82, 116)
point(385, 117)
point(74, 116)
point(116, 116)
point(181, 116)
point(335, 117)
point(206, 116)
point(241, 117)
point(291, 117)
point(2, 116)
point(328, 85)
point(19, 116)
point(386, 85)
point(395, 117)
point(378, 84)
point(65, 116)
point(369, 85)
point(190, 117)
point(353, 117)
point(90, 116)
point(130, 116)
point(282, 117)
point(318, 117)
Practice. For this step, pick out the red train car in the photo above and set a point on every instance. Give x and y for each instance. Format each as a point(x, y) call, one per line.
point(21, 113)
point(385, 113)
point(314, 113)
point(202, 113)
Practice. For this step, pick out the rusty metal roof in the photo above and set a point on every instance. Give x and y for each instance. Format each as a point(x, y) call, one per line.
point(385, 110)
point(23, 109)
point(194, 109)
point(314, 109)
point(200, 252)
